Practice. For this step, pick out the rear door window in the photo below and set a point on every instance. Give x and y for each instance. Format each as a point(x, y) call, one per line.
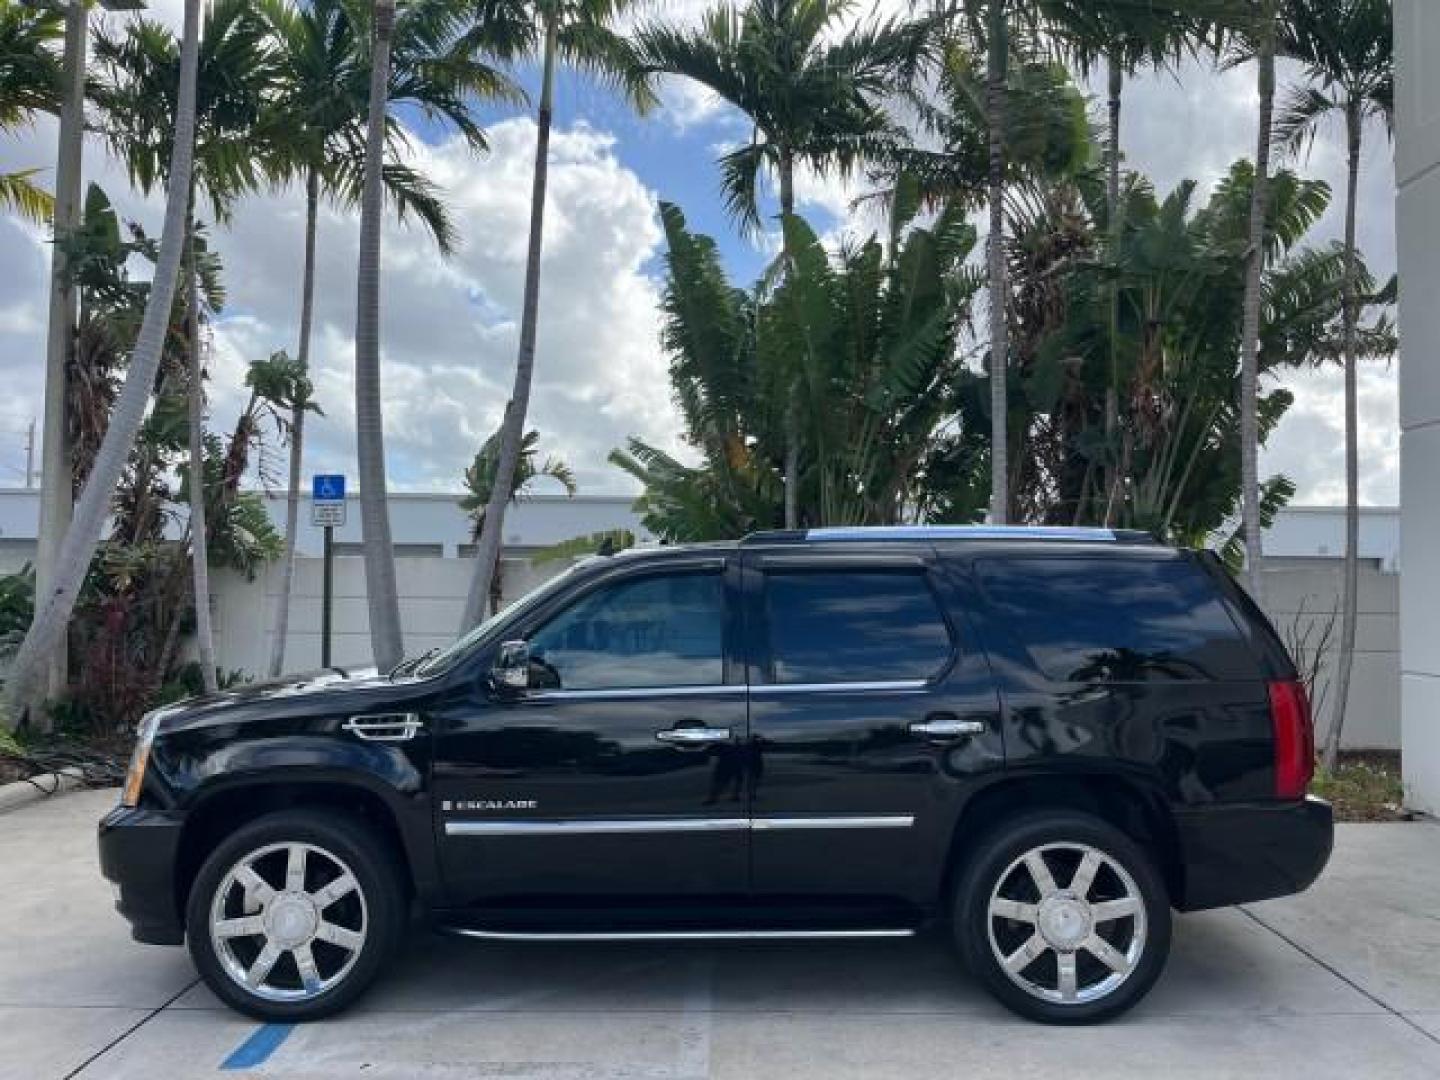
point(1116, 620)
point(831, 626)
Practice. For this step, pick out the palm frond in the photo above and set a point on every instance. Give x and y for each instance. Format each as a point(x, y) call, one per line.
point(20, 193)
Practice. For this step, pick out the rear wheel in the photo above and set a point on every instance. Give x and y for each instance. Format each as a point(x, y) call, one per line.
point(1063, 917)
point(292, 916)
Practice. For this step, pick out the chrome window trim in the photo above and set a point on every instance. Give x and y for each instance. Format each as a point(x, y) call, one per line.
point(727, 689)
point(907, 685)
point(699, 690)
point(634, 826)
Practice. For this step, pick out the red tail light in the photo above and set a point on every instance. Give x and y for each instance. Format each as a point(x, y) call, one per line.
point(1294, 739)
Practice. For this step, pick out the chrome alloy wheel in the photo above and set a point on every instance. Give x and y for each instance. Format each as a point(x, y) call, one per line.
point(1072, 943)
point(288, 922)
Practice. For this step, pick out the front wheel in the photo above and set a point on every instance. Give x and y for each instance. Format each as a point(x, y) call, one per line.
point(1063, 917)
point(293, 915)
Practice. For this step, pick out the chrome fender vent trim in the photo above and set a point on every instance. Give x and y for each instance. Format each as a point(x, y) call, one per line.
point(384, 727)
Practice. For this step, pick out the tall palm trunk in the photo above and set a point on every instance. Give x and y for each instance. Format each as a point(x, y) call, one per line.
point(512, 430)
point(53, 609)
point(384, 604)
point(1250, 331)
point(995, 105)
point(792, 406)
point(297, 433)
point(57, 490)
point(1112, 204)
point(1349, 603)
point(199, 538)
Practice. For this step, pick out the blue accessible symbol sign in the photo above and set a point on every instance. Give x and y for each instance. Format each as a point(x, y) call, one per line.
point(327, 500)
point(328, 487)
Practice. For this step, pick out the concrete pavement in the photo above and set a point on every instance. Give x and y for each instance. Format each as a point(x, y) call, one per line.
point(1340, 982)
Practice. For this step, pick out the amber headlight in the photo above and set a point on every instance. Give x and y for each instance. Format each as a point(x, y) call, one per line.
point(139, 759)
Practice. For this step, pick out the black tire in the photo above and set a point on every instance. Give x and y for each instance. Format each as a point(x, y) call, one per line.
point(1063, 838)
point(375, 906)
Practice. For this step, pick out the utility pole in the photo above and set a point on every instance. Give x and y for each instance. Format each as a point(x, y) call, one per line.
point(30, 456)
point(56, 496)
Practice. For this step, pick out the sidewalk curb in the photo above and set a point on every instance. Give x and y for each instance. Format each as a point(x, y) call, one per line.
point(23, 792)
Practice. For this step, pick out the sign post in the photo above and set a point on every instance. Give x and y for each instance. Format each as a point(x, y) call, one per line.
point(327, 512)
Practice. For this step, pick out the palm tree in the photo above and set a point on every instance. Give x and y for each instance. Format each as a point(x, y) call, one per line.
point(1347, 50)
point(997, 52)
point(384, 604)
point(577, 31)
point(1000, 29)
point(303, 403)
point(316, 125)
point(1127, 38)
point(480, 478)
point(1043, 131)
point(1261, 47)
point(199, 531)
point(30, 82)
point(811, 93)
point(236, 72)
point(53, 611)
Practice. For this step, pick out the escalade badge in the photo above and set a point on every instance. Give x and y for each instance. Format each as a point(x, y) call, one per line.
point(487, 804)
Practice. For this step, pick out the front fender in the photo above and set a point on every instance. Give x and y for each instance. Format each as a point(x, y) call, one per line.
point(204, 773)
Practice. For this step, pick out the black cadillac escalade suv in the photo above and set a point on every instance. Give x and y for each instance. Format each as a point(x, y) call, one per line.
point(1041, 740)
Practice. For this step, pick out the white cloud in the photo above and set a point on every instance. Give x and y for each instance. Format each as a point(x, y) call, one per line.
point(449, 330)
point(685, 104)
point(1309, 444)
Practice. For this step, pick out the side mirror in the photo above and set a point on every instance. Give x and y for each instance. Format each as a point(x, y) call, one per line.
point(512, 666)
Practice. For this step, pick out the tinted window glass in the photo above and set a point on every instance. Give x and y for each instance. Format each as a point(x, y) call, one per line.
point(853, 626)
point(652, 631)
point(1112, 620)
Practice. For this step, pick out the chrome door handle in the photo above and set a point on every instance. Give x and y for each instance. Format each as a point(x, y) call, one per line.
point(948, 727)
point(694, 736)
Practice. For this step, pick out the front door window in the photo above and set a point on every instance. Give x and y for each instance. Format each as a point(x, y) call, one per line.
point(648, 632)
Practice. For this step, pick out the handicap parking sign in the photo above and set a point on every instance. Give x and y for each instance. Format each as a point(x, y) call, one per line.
point(327, 500)
point(328, 487)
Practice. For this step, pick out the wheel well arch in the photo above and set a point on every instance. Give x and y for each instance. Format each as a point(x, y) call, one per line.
point(211, 820)
point(1133, 807)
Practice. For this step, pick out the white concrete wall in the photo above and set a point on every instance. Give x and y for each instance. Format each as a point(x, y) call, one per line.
point(432, 595)
point(1303, 594)
point(1417, 221)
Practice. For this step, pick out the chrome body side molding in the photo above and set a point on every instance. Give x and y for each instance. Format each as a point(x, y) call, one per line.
point(620, 826)
point(676, 935)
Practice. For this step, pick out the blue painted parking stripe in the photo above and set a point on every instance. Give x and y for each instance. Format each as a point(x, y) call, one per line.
point(255, 1050)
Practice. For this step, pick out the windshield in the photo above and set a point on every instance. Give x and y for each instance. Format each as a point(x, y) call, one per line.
point(459, 649)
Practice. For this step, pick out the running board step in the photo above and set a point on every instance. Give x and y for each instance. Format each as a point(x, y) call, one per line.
point(673, 935)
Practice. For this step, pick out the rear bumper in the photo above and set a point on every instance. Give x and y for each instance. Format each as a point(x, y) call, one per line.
point(1252, 851)
point(138, 849)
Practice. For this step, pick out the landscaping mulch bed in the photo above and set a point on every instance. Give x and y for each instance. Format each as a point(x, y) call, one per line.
point(1365, 786)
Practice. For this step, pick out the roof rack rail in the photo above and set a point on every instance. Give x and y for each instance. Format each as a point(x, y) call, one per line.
point(842, 533)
